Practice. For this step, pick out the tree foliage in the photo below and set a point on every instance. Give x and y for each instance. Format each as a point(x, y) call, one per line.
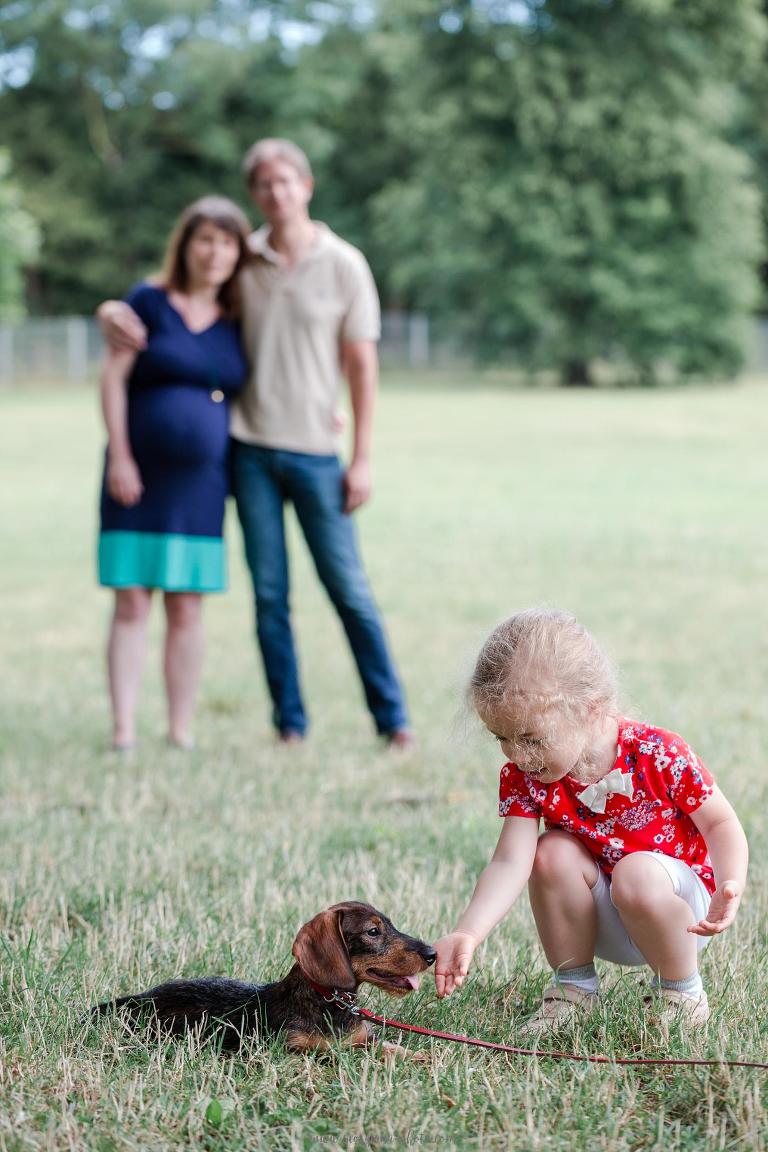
point(18, 244)
point(560, 181)
point(130, 112)
point(575, 194)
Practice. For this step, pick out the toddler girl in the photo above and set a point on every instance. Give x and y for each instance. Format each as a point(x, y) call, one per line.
point(642, 859)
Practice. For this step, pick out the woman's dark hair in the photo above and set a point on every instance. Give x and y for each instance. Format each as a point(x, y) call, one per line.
point(224, 214)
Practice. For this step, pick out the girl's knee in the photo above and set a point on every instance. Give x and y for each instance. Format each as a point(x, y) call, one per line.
point(557, 852)
point(637, 881)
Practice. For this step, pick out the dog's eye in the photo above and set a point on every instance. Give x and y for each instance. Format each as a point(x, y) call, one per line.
point(373, 932)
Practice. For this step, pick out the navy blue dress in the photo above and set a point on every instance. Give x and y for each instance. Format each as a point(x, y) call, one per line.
point(178, 427)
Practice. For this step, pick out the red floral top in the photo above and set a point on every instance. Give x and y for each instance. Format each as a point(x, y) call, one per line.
point(669, 783)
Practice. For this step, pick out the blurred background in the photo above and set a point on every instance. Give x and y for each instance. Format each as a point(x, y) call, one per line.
point(572, 188)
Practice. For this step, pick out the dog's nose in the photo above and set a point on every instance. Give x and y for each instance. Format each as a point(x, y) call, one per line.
point(429, 955)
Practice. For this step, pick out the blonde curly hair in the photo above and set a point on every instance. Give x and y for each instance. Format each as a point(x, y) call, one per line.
point(542, 659)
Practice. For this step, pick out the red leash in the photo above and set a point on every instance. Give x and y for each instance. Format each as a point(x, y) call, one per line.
point(347, 1000)
point(385, 1023)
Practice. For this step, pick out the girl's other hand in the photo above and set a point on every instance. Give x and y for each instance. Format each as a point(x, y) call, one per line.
point(722, 910)
point(124, 482)
point(454, 955)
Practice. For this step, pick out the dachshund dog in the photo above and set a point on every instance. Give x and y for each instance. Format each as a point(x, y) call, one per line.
point(347, 945)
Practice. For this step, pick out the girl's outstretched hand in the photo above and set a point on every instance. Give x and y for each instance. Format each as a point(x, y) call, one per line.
point(454, 954)
point(722, 910)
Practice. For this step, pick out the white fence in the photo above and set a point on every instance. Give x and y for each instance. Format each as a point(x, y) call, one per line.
point(67, 349)
point(64, 349)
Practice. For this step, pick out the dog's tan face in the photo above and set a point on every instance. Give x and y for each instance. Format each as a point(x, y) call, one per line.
point(379, 954)
point(351, 943)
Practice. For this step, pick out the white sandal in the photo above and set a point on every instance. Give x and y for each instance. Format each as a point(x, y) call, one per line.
point(560, 1006)
point(667, 1006)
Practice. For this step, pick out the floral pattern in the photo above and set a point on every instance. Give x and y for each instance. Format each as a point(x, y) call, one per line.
point(670, 783)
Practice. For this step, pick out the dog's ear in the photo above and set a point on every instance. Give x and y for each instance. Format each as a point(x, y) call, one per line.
point(322, 952)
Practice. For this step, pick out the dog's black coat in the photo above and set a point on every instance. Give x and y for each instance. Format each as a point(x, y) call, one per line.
point(341, 948)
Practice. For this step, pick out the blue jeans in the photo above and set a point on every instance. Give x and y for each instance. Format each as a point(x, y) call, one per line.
point(264, 479)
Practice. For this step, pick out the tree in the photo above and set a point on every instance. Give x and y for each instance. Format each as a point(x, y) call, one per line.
point(575, 195)
point(18, 244)
point(558, 181)
point(125, 112)
point(752, 135)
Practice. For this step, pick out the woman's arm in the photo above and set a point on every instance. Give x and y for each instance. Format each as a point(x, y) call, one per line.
point(123, 477)
point(499, 885)
point(727, 845)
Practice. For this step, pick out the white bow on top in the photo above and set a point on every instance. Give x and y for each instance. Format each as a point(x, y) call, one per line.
point(616, 783)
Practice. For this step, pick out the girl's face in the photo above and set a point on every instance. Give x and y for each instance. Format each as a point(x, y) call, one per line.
point(211, 256)
point(546, 745)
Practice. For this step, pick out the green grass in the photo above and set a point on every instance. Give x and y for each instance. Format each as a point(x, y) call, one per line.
point(643, 512)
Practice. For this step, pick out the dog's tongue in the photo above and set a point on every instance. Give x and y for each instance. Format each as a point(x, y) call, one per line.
point(414, 981)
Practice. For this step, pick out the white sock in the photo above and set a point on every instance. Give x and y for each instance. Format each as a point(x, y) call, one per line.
point(691, 985)
point(584, 977)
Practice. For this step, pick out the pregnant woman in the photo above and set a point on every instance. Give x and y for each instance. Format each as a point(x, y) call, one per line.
point(166, 410)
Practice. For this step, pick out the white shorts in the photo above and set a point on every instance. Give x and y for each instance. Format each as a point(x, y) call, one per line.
point(613, 941)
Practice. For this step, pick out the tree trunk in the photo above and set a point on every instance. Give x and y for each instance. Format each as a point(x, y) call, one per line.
point(576, 374)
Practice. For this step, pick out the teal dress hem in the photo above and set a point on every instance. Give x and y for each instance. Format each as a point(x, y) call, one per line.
point(169, 561)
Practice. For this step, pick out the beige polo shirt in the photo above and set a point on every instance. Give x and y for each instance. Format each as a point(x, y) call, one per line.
point(293, 323)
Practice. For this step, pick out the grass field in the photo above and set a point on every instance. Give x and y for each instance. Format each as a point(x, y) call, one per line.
point(643, 512)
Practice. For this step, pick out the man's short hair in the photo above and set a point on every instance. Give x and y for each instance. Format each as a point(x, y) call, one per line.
point(275, 148)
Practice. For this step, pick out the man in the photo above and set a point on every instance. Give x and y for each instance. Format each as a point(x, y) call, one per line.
point(310, 315)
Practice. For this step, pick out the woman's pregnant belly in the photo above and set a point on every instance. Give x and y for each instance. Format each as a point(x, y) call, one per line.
point(178, 426)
